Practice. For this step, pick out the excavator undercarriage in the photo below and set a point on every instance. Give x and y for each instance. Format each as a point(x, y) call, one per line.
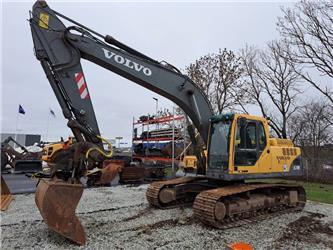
point(225, 205)
point(175, 192)
point(238, 204)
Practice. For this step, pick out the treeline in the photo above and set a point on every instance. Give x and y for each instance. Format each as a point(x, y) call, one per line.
point(290, 80)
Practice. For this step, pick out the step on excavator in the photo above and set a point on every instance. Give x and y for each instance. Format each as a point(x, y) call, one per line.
point(239, 147)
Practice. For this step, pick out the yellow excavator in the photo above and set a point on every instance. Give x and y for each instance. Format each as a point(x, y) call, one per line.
point(239, 147)
point(52, 150)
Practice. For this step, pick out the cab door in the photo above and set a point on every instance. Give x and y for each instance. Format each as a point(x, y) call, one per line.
point(265, 158)
point(250, 142)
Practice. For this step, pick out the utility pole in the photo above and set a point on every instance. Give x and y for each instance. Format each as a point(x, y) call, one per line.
point(156, 110)
point(156, 114)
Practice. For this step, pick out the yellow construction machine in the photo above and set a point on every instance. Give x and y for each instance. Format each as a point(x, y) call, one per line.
point(52, 150)
point(239, 147)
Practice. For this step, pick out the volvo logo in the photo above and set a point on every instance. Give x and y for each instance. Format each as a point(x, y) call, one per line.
point(127, 62)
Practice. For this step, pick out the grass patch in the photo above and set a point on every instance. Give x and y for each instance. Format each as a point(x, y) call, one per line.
point(314, 191)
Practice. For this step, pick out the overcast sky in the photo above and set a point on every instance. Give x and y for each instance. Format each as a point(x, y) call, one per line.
point(176, 32)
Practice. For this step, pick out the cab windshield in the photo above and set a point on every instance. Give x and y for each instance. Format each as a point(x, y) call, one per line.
point(219, 142)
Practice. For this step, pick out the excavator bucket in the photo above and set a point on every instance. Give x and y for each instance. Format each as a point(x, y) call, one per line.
point(6, 196)
point(57, 201)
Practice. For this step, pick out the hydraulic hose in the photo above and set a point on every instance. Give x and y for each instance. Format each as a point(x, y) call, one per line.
point(109, 155)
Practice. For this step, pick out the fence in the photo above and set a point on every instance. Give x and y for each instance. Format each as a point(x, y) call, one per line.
point(318, 170)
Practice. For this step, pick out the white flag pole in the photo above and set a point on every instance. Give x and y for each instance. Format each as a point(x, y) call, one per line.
point(16, 126)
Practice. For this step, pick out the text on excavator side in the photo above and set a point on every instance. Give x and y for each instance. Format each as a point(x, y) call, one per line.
point(126, 62)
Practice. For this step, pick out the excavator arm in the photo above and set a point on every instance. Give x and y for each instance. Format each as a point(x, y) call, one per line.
point(60, 49)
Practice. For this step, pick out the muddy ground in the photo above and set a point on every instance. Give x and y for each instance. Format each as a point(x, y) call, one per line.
point(119, 218)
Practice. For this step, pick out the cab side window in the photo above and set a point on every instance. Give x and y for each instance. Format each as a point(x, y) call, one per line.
point(250, 135)
point(246, 137)
point(250, 141)
point(262, 137)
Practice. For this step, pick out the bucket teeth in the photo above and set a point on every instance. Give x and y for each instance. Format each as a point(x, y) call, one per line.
point(57, 201)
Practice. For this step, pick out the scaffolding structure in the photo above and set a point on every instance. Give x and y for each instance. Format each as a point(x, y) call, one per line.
point(155, 134)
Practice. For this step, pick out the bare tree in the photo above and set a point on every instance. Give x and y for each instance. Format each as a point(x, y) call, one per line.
point(273, 84)
point(312, 128)
point(308, 29)
point(202, 72)
point(249, 57)
point(219, 76)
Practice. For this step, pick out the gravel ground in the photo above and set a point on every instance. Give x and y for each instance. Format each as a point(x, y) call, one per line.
point(119, 217)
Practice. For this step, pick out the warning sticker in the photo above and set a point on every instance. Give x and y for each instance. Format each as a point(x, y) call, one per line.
point(44, 20)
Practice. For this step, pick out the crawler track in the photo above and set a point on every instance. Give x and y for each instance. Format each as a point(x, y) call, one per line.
point(206, 203)
point(155, 188)
point(230, 206)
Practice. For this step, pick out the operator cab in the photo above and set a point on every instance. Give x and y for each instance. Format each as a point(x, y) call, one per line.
point(235, 141)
